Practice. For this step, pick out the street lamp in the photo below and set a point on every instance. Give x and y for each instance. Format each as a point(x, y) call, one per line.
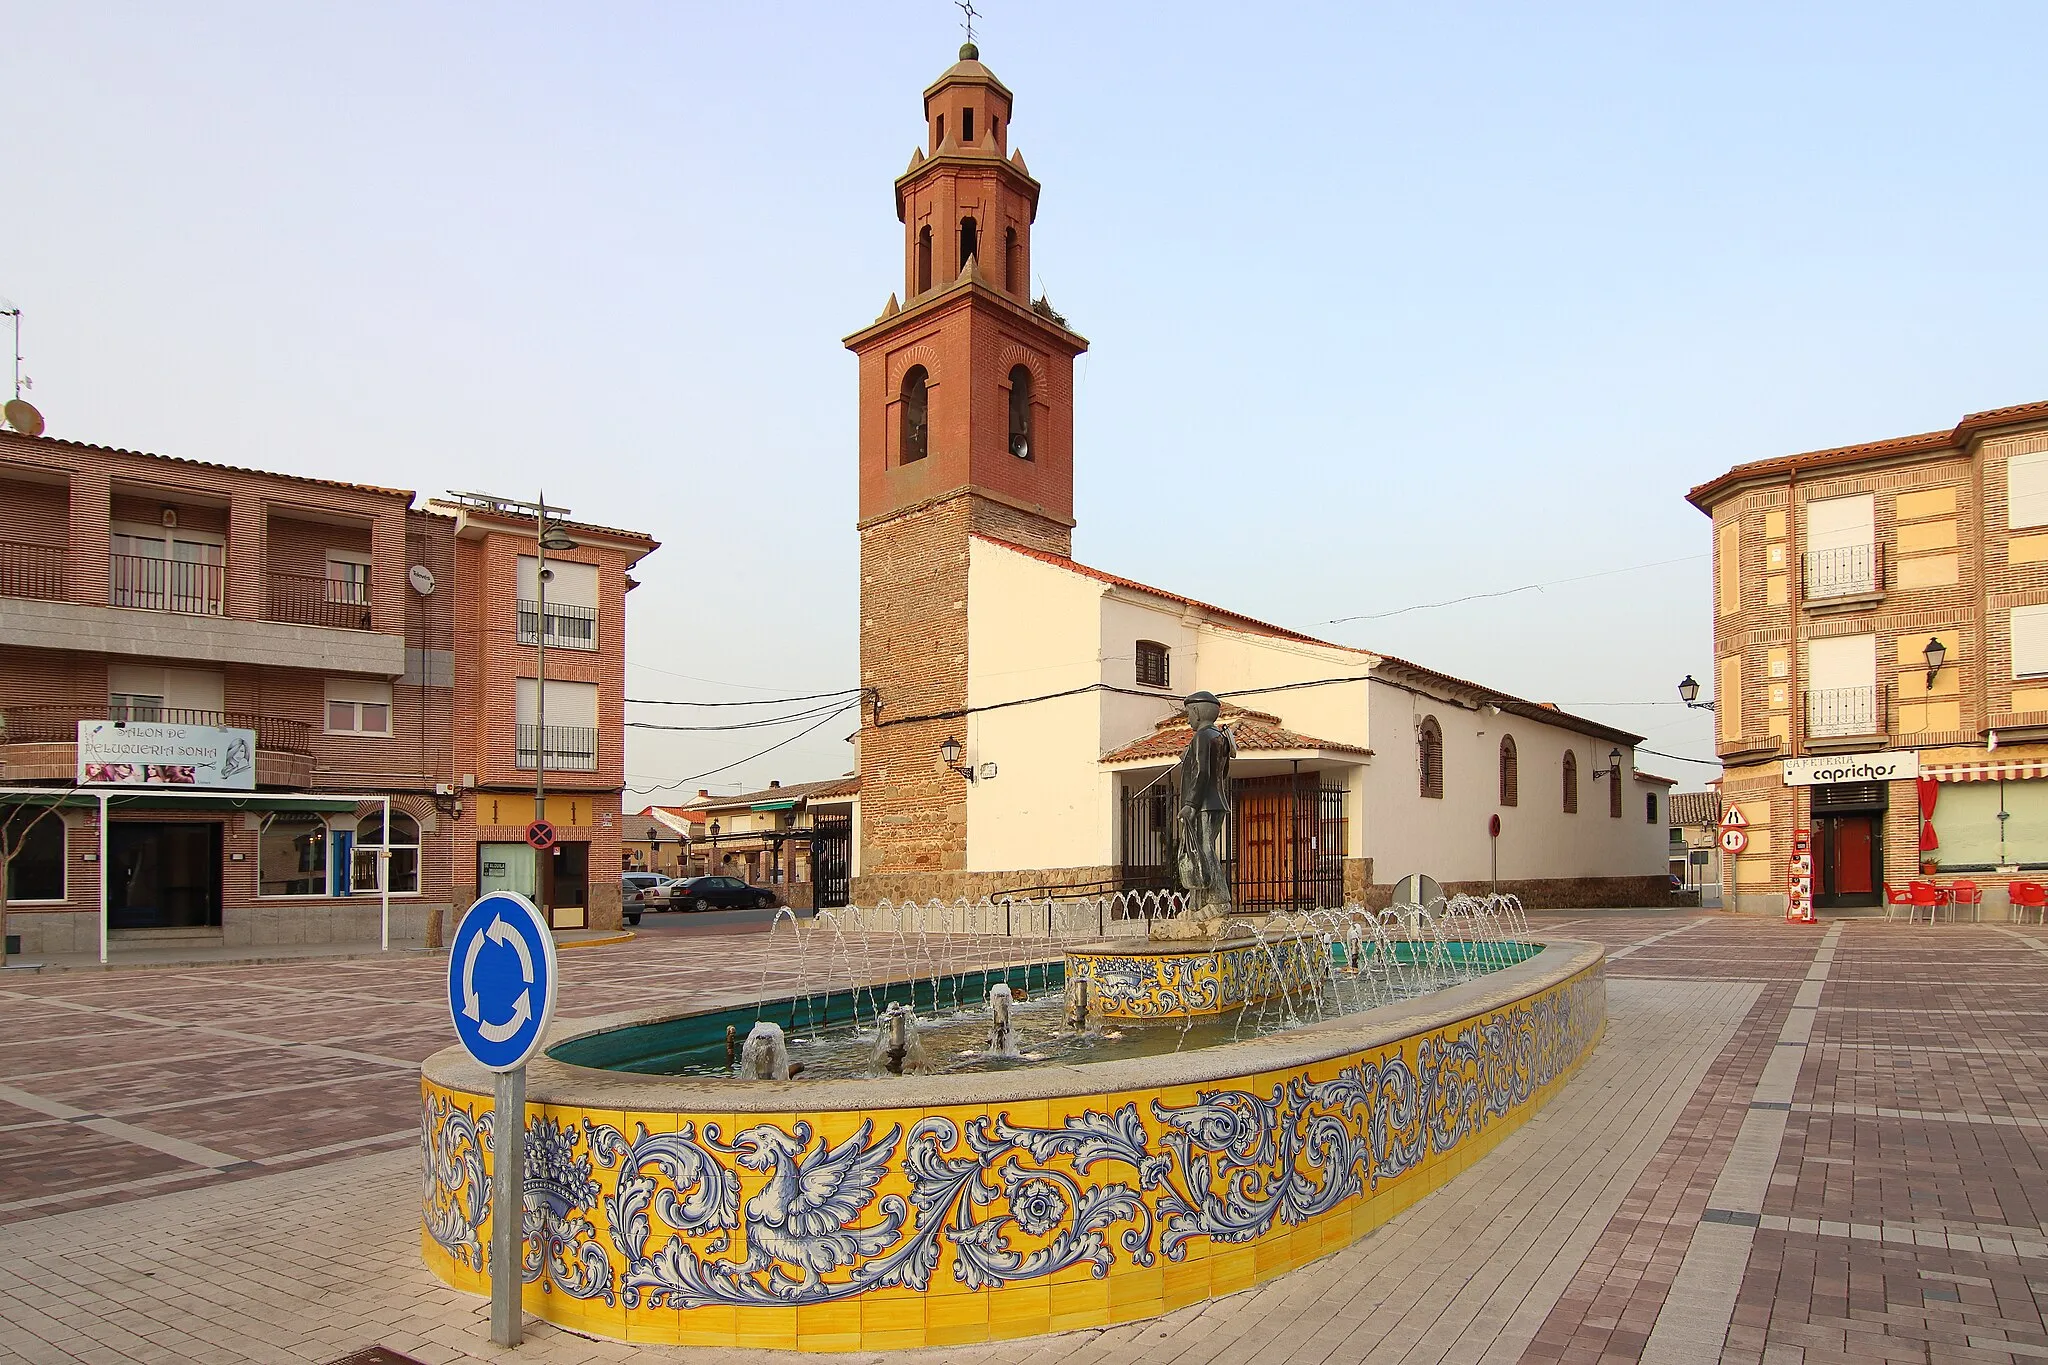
point(1936, 654)
point(547, 535)
point(1689, 693)
point(949, 754)
point(714, 848)
point(654, 848)
point(1613, 768)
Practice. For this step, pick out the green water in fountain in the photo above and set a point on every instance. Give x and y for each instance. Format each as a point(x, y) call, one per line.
point(831, 1032)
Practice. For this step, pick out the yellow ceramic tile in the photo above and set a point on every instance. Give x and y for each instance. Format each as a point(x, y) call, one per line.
point(889, 1315)
point(1025, 1113)
point(957, 1319)
point(829, 1326)
point(907, 1339)
point(766, 1328)
point(712, 1325)
point(1184, 1282)
point(1137, 1284)
point(656, 1326)
point(1080, 1305)
point(1019, 1303)
point(1233, 1269)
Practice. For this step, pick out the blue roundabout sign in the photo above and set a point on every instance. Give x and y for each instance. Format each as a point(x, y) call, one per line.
point(501, 980)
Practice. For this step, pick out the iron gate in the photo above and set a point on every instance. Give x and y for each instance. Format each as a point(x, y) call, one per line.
point(832, 861)
point(1284, 847)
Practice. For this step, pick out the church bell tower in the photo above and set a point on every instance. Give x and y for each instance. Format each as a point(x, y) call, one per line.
point(966, 428)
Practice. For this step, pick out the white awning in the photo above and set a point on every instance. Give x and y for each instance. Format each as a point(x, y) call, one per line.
point(2016, 771)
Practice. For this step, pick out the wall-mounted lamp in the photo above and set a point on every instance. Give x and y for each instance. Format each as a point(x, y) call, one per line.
point(1936, 655)
point(1613, 768)
point(1689, 693)
point(950, 752)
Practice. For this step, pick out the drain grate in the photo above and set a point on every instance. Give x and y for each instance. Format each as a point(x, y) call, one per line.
point(377, 1355)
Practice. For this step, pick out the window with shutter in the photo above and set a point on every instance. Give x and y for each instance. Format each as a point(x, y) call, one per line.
point(2029, 641)
point(2026, 490)
point(1153, 664)
point(1429, 741)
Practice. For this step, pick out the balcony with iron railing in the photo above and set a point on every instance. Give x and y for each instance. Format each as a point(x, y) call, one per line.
point(153, 583)
point(58, 724)
point(318, 600)
point(32, 570)
point(1845, 571)
point(1842, 712)
point(568, 627)
point(569, 748)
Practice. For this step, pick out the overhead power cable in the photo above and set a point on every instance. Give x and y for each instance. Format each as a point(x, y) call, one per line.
point(1510, 592)
point(758, 723)
point(713, 772)
point(764, 701)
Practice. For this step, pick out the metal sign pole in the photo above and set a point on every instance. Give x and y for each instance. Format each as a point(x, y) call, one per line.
point(508, 1205)
point(103, 878)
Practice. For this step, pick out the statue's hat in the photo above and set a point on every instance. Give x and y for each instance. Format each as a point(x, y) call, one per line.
point(1193, 697)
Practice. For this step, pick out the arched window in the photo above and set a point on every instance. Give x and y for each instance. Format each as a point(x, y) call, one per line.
point(1013, 262)
point(924, 258)
point(1429, 743)
point(970, 241)
point(1571, 783)
point(1020, 412)
point(1614, 793)
point(915, 404)
point(1510, 774)
point(404, 844)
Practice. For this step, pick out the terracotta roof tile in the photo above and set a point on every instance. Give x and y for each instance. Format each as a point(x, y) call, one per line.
point(836, 786)
point(1927, 441)
point(1695, 808)
point(1254, 731)
point(32, 441)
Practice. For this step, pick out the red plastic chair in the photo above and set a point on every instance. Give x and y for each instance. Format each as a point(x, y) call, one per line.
point(1894, 898)
point(2025, 896)
point(1929, 897)
point(1967, 892)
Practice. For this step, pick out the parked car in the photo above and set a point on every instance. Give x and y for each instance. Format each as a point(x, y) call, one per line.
point(641, 891)
point(719, 893)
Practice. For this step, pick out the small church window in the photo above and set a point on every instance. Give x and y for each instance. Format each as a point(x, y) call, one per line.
point(916, 398)
point(1154, 668)
point(942, 128)
point(924, 258)
point(1013, 262)
point(970, 241)
point(1429, 743)
point(967, 126)
point(995, 128)
point(1571, 783)
point(1020, 412)
point(1510, 772)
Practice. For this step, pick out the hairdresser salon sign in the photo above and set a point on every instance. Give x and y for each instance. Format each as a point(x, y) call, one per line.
point(1896, 766)
point(140, 753)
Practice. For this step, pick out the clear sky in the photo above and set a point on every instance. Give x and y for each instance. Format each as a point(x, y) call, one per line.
point(1389, 303)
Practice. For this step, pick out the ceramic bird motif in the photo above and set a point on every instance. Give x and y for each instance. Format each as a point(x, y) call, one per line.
point(804, 1215)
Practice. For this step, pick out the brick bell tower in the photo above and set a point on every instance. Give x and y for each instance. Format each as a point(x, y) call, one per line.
point(966, 428)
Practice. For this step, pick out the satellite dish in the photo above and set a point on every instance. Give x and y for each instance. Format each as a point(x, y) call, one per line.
point(23, 417)
point(421, 578)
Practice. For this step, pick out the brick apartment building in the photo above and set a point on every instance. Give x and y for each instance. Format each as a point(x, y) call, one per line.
point(373, 648)
point(1020, 704)
point(1881, 650)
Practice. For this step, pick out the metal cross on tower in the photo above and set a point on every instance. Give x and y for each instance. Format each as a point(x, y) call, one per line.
point(967, 8)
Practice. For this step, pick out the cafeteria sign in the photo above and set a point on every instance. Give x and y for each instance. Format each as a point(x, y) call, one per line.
point(147, 753)
point(1896, 765)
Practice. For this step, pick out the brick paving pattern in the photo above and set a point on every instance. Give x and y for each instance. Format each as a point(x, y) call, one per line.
point(1794, 1145)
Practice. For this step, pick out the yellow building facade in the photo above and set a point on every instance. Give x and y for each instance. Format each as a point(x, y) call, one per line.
point(1881, 662)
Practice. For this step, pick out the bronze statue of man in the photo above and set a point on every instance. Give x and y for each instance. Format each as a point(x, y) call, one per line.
point(1203, 781)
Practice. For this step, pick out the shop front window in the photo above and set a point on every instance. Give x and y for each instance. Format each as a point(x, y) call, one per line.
point(405, 853)
point(36, 871)
point(291, 857)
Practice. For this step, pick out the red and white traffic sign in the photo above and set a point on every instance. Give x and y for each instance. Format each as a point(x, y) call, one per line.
point(541, 835)
point(1734, 841)
point(1734, 819)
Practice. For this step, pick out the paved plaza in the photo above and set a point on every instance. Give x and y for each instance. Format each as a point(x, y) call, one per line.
point(1794, 1145)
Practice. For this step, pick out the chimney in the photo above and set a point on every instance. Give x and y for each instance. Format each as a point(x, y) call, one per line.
point(774, 783)
point(703, 793)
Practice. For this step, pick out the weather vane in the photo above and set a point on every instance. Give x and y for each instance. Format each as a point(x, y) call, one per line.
point(967, 8)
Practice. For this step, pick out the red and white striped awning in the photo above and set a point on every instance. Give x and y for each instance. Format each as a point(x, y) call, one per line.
point(2016, 771)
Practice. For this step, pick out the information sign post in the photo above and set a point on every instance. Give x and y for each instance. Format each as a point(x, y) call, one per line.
point(1799, 879)
point(501, 995)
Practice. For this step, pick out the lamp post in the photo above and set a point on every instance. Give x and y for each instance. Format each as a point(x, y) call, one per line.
point(713, 868)
point(547, 536)
point(654, 848)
